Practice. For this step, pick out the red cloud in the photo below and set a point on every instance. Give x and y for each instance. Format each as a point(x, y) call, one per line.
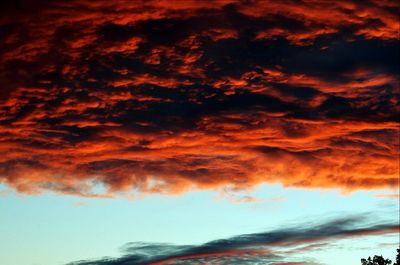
point(165, 97)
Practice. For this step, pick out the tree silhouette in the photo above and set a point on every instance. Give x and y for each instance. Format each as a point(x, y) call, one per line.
point(377, 260)
point(397, 257)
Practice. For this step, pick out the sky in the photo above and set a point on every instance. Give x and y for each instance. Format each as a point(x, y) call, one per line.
point(199, 132)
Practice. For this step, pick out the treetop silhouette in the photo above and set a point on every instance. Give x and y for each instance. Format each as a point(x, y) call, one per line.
point(380, 260)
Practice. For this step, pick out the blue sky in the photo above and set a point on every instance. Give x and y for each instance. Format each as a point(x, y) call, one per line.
point(51, 229)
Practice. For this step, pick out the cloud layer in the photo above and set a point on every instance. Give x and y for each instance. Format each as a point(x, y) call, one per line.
point(162, 96)
point(277, 247)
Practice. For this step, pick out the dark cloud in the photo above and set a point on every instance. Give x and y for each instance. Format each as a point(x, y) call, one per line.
point(222, 93)
point(273, 247)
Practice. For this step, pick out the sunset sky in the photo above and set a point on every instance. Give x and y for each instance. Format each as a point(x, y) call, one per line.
point(199, 131)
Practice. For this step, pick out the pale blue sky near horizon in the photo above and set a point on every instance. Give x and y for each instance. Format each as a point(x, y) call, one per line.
point(48, 229)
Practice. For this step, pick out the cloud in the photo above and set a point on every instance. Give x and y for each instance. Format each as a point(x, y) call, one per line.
point(164, 97)
point(275, 247)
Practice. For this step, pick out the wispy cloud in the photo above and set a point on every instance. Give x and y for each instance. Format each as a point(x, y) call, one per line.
point(273, 247)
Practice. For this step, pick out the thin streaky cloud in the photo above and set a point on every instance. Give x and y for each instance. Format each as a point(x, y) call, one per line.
point(272, 247)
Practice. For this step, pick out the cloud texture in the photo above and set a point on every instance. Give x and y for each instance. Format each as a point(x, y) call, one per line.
point(164, 96)
point(276, 247)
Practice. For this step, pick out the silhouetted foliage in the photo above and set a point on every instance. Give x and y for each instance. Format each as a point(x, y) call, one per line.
point(379, 260)
point(397, 257)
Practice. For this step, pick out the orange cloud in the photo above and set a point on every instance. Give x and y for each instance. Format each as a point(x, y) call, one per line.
point(165, 97)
